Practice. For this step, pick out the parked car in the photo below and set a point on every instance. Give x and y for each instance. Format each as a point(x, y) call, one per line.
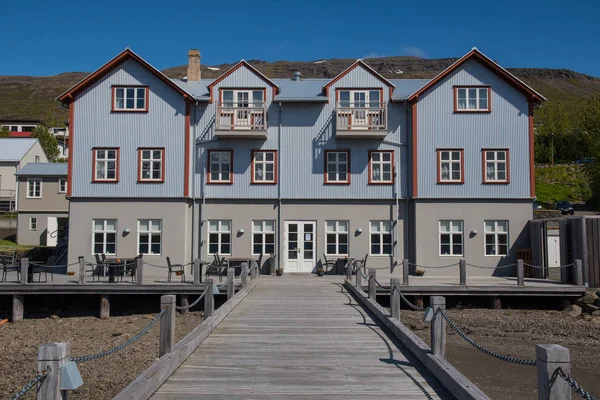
point(586, 160)
point(565, 207)
point(537, 205)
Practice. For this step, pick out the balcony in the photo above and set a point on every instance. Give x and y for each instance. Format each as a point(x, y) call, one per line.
point(241, 120)
point(361, 122)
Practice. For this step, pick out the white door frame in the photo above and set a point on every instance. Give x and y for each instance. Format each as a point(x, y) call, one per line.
point(301, 264)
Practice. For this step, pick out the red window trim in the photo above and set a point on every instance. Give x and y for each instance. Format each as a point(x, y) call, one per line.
point(489, 88)
point(371, 182)
point(118, 166)
point(275, 168)
point(162, 173)
point(113, 98)
point(483, 169)
point(230, 181)
point(326, 180)
point(439, 167)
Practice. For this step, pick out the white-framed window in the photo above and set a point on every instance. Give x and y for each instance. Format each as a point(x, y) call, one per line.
point(33, 223)
point(151, 165)
point(62, 186)
point(106, 164)
point(220, 166)
point(496, 166)
point(451, 238)
point(380, 236)
point(381, 166)
point(37, 159)
point(150, 236)
point(496, 238)
point(219, 237)
point(472, 99)
point(264, 166)
point(450, 166)
point(34, 188)
point(105, 236)
point(336, 233)
point(243, 98)
point(337, 166)
point(360, 98)
point(263, 237)
point(130, 98)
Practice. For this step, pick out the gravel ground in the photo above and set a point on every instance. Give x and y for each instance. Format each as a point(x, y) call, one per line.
point(515, 333)
point(102, 378)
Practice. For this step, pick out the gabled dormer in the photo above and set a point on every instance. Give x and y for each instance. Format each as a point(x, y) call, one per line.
point(242, 95)
point(361, 96)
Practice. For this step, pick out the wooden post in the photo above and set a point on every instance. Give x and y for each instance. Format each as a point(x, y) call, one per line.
point(550, 357)
point(253, 270)
point(184, 301)
point(104, 306)
point(419, 301)
point(438, 327)
point(462, 268)
point(18, 308)
point(139, 273)
point(230, 282)
point(348, 270)
point(520, 273)
point(244, 275)
point(24, 270)
point(167, 325)
point(395, 298)
point(53, 355)
point(81, 270)
point(372, 284)
point(496, 303)
point(578, 273)
point(209, 301)
point(405, 272)
point(197, 272)
point(359, 279)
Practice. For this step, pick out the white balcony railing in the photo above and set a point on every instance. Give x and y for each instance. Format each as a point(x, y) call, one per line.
point(353, 117)
point(246, 116)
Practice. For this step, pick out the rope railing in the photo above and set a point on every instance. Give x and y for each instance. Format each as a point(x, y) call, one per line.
point(576, 387)
point(30, 384)
point(52, 266)
point(540, 267)
point(379, 283)
point(166, 266)
point(411, 305)
point(181, 308)
point(433, 267)
point(497, 267)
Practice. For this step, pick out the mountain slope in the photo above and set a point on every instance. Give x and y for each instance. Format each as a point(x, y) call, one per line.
point(33, 97)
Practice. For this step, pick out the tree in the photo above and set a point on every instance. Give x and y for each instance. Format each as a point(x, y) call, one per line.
point(48, 142)
point(4, 132)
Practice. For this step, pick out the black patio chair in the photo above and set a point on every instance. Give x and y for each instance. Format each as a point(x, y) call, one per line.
point(216, 267)
point(259, 263)
point(98, 270)
point(6, 268)
point(175, 268)
point(328, 265)
point(44, 269)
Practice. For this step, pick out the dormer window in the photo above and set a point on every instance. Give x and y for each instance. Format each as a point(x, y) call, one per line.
point(360, 110)
point(242, 109)
point(130, 98)
point(472, 99)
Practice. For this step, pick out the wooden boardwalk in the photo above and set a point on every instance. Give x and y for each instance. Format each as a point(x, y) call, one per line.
point(300, 337)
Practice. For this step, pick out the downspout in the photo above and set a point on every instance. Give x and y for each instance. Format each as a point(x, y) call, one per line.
point(280, 234)
point(193, 245)
point(407, 251)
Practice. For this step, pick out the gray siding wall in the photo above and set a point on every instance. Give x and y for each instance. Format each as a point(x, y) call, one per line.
point(96, 126)
point(51, 199)
point(38, 237)
point(505, 127)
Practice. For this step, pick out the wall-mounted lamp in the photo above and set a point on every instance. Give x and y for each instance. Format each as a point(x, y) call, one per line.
point(241, 231)
point(358, 231)
point(472, 234)
point(126, 230)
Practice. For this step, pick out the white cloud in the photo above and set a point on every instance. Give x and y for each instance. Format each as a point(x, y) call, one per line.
point(374, 54)
point(413, 51)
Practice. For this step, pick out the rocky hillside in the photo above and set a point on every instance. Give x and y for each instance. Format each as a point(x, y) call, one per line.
point(33, 97)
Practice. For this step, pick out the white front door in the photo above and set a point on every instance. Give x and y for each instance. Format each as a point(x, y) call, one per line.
point(52, 232)
point(299, 246)
point(554, 258)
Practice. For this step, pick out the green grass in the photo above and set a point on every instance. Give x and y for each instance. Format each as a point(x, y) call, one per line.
point(8, 243)
point(562, 183)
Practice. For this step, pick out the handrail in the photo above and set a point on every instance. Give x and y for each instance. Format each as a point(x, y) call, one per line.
point(352, 116)
point(232, 115)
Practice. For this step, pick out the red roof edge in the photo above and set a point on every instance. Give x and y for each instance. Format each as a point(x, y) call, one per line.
point(238, 66)
point(367, 67)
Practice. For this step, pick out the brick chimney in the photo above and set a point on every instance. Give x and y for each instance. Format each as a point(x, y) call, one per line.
point(193, 73)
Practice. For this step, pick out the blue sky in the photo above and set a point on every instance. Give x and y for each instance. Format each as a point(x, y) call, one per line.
point(41, 37)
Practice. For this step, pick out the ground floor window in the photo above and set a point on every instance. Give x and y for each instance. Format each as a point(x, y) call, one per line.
point(381, 237)
point(149, 236)
point(263, 237)
point(219, 237)
point(451, 238)
point(337, 237)
point(496, 238)
point(105, 236)
point(33, 223)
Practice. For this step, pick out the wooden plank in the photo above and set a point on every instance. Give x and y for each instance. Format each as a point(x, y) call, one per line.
point(53, 355)
point(104, 306)
point(18, 308)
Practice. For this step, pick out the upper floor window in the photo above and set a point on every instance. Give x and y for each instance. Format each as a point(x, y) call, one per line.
point(37, 159)
point(472, 98)
point(220, 163)
point(132, 98)
point(241, 109)
point(34, 188)
point(360, 98)
point(450, 165)
point(360, 109)
point(62, 186)
point(337, 166)
point(381, 167)
point(106, 165)
point(496, 166)
point(264, 166)
point(151, 166)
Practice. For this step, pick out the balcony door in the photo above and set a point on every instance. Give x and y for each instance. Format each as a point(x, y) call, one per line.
point(244, 108)
point(362, 107)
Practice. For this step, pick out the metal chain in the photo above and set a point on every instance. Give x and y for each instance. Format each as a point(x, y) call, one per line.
point(30, 384)
point(411, 305)
point(498, 267)
point(92, 357)
point(480, 347)
point(425, 266)
point(573, 383)
point(193, 304)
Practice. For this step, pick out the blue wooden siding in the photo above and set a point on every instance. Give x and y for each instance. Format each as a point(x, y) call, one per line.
point(505, 127)
point(162, 126)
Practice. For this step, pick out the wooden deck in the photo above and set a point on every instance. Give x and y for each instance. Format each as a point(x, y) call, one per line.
point(300, 337)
